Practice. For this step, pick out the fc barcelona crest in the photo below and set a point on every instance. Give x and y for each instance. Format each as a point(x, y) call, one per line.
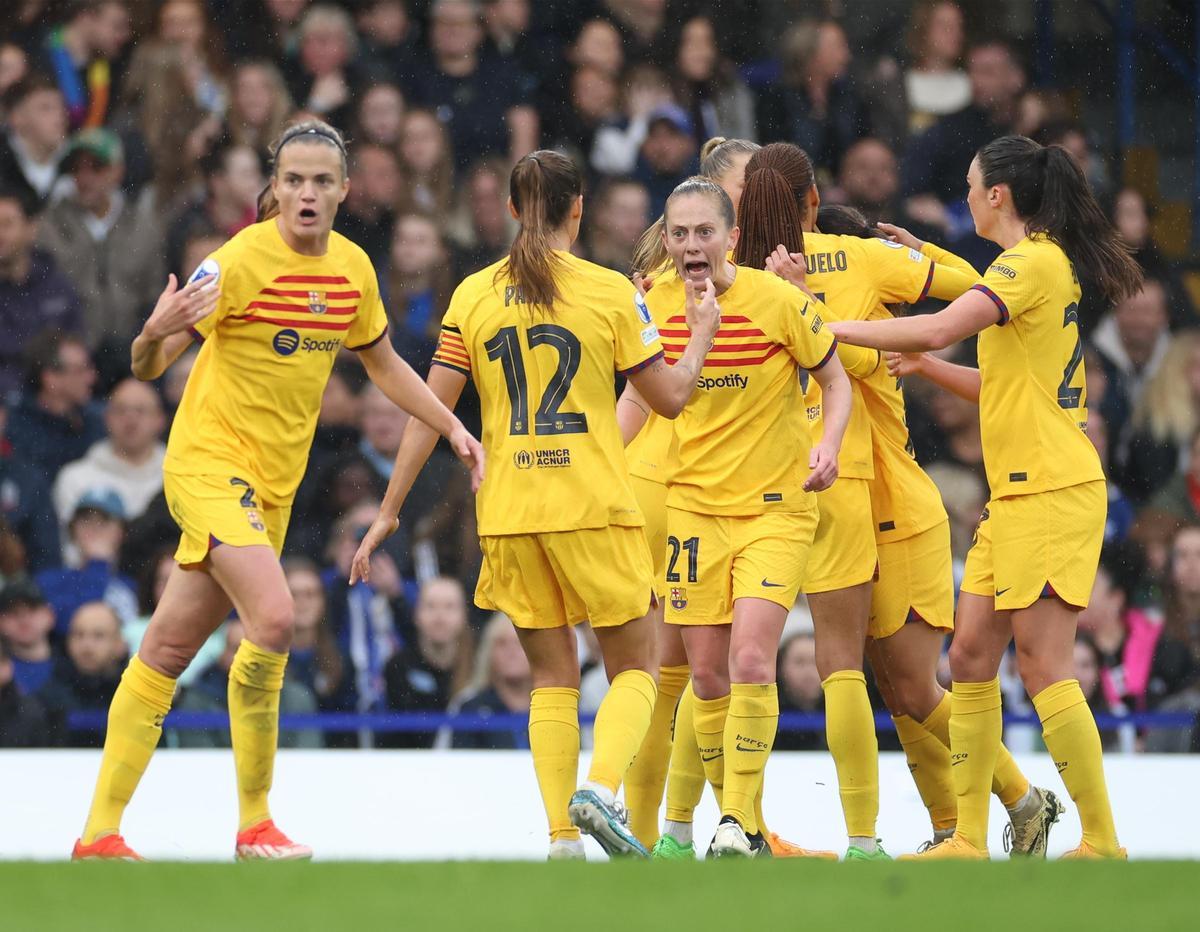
point(678, 598)
point(316, 302)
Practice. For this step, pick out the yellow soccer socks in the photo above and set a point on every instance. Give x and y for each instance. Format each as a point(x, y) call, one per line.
point(850, 734)
point(750, 727)
point(648, 773)
point(554, 742)
point(929, 764)
point(135, 718)
point(1074, 743)
point(976, 730)
point(709, 724)
point(255, 681)
point(621, 723)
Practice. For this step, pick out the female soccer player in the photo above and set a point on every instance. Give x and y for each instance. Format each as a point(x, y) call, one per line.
point(740, 513)
point(272, 308)
point(1038, 542)
point(559, 526)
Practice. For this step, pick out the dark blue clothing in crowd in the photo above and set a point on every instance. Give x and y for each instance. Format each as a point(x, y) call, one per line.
point(66, 589)
point(48, 441)
point(46, 300)
point(28, 509)
point(31, 675)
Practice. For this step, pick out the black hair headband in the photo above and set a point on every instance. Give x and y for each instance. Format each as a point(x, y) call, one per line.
point(311, 131)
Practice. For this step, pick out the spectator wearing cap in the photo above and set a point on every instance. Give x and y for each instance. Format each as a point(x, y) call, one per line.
point(35, 296)
point(85, 677)
point(26, 620)
point(668, 156)
point(34, 137)
point(80, 55)
point(110, 247)
point(128, 461)
point(95, 534)
point(23, 721)
point(55, 421)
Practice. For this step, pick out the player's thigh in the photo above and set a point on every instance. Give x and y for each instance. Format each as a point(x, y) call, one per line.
point(671, 652)
point(915, 584)
point(981, 636)
point(699, 569)
point(192, 607)
point(754, 640)
point(908, 661)
point(844, 551)
point(253, 579)
point(553, 656)
point(978, 577)
point(1045, 639)
point(708, 655)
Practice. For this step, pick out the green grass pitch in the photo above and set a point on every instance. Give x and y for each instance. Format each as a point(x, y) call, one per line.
point(492, 897)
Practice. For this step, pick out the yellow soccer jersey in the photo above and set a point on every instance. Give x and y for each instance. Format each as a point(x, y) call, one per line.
point(853, 276)
point(651, 454)
point(743, 442)
point(546, 389)
point(1033, 400)
point(251, 402)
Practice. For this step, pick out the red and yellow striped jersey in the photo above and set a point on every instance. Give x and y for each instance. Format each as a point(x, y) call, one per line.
point(251, 403)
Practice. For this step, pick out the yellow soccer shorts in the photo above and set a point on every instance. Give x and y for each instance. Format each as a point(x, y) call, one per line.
point(215, 509)
point(1035, 546)
point(843, 552)
point(600, 575)
point(714, 560)
point(915, 583)
point(652, 499)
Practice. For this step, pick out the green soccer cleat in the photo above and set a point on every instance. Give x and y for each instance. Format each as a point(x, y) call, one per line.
point(668, 849)
point(855, 853)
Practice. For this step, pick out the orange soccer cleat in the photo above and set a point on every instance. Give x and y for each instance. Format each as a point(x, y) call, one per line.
point(107, 848)
point(1086, 852)
point(782, 848)
point(264, 842)
point(954, 848)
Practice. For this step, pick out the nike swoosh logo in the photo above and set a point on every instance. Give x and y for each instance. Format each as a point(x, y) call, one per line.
point(708, 759)
point(1000, 592)
point(742, 747)
point(955, 763)
point(773, 585)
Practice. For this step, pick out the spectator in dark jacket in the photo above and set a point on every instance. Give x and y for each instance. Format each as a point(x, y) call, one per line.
point(26, 506)
point(85, 678)
point(23, 721)
point(501, 686)
point(35, 133)
point(799, 690)
point(26, 621)
point(669, 155)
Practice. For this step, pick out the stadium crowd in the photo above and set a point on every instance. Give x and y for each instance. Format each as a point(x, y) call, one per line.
point(132, 144)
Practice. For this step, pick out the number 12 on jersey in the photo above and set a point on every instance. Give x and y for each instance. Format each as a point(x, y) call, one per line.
point(505, 346)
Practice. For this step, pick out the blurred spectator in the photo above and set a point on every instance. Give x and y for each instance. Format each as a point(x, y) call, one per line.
point(35, 296)
point(571, 124)
point(799, 690)
point(368, 213)
point(484, 227)
point(34, 137)
point(1180, 496)
point(646, 90)
point(869, 179)
point(387, 39)
point(964, 494)
point(185, 24)
point(80, 55)
point(1072, 136)
point(94, 537)
point(958, 438)
point(110, 247)
point(445, 536)
point(14, 65)
point(515, 47)
point(643, 26)
point(382, 428)
point(708, 87)
point(1086, 667)
point(936, 162)
point(23, 721)
point(669, 155)
point(379, 117)
point(1183, 626)
point(200, 243)
point(321, 74)
point(1133, 217)
point(500, 686)
point(935, 82)
point(86, 676)
point(210, 693)
point(424, 674)
point(815, 104)
point(598, 45)
point(259, 105)
point(27, 511)
point(337, 424)
point(314, 659)
point(128, 462)
point(482, 103)
point(1120, 509)
point(26, 620)
point(418, 288)
point(616, 217)
point(427, 164)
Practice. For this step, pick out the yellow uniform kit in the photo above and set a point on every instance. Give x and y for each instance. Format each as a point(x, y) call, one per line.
point(1043, 527)
point(738, 518)
point(650, 456)
point(560, 528)
point(240, 440)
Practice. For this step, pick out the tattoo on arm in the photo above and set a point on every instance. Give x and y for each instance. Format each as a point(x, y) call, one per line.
point(636, 405)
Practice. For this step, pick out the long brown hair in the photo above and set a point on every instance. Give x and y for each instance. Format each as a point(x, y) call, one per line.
point(774, 203)
point(312, 131)
point(543, 186)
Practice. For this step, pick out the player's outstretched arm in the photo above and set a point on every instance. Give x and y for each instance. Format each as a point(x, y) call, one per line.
point(665, 388)
point(835, 405)
point(966, 316)
point(404, 388)
point(167, 331)
point(632, 413)
point(963, 381)
point(417, 442)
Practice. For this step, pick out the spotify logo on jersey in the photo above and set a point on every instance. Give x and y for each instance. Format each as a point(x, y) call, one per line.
point(286, 342)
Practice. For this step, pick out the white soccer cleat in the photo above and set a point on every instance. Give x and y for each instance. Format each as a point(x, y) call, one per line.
point(567, 849)
point(730, 841)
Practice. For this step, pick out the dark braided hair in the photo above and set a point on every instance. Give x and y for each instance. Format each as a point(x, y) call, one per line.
point(774, 203)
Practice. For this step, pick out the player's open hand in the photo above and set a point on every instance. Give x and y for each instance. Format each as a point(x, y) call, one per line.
point(380, 530)
point(179, 309)
point(703, 313)
point(823, 468)
point(900, 365)
point(788, 265)
point(470, 451)
point(900, 235)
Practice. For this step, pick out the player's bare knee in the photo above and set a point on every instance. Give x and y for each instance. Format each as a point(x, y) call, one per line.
point(271, 626)
point(969, 661)
point(751, 663)
point(708, 682)
point(168, 659)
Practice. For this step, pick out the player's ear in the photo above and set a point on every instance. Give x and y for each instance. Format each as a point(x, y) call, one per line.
point(577, 208)
point(345, 190)
point(734, 235)
point(513, 210)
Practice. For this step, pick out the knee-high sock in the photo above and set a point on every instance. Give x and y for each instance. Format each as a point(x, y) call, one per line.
point(750, 727)
point(1073, 741)
point(685, 777)
point(621, 723)
point(929, 764)
point(1008, 782)
point(135, 718)
point(255, 681)
point(976, 728)
point(759, 818)
point(850, 734)
point(709, 723)
point(554, 743)
point(648, 773)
